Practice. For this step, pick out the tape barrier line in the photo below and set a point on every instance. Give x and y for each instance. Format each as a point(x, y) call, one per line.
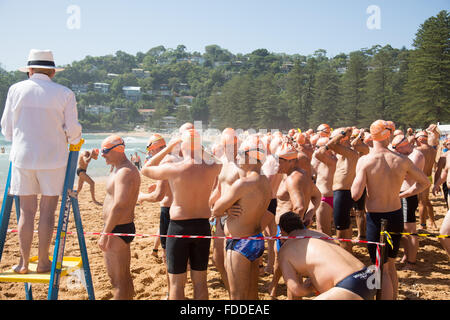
point(215, 237)
point(427, 235)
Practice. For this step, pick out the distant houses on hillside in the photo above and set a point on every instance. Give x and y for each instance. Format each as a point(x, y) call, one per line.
point(132, 93)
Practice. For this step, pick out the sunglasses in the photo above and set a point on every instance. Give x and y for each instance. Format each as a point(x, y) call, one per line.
point(107, 150)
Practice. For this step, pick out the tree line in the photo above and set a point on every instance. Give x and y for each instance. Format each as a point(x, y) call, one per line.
point(270, 90)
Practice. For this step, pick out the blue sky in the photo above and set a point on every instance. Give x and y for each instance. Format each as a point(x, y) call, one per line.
point(289, 26)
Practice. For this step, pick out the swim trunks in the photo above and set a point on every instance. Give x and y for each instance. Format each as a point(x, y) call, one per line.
point(251, 249)
point(79, 170)
point(357, 283)
point(128, 228)
point(409, 206)
point(181, 250)
point(373, 227)
point(328, 200)
point(360, 204)
point(273, 206)
point(342, 204)
point(164, 220)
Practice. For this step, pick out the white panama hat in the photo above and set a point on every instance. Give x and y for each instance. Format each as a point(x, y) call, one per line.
point(40, 59)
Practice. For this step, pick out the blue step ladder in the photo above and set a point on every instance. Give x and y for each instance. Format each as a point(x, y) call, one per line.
point(61, 266)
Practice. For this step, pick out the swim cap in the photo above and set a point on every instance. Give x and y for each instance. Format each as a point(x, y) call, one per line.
point(322, 141)
point(399, 141)
point(186, 126)
point(324, 130)
point(113, 143)
point(155, 141)
point(422, 136)
point(355, 133)
point(192, 138)
point(391, 126)
point(301, 138)
point(314, 138)
point(292, 132)
point(379, 130)
point(338, 132)
point(253, 146)
point(398, 132)
point(368, 138)
point(229, 136)
point(286, 151)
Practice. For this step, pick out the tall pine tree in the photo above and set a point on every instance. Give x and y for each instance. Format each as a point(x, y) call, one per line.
point(427, 97)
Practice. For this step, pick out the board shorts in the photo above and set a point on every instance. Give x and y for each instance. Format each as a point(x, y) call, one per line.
point(27, 182)
point(373, 228)
point(409, 206)
point(164, 220)
point(128, 228)
point(181, 250)
point(357, 283)
point(251, 249)
point(342, 204)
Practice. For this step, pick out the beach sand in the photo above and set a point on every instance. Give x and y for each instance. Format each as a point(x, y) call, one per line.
point(431, 280)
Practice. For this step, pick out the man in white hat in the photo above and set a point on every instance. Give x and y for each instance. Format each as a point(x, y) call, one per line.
point(40, 118)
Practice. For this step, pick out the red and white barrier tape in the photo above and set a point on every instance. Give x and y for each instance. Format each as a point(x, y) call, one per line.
point(216, 237)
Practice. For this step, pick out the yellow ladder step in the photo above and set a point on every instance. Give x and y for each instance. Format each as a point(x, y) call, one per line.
point(70, 264)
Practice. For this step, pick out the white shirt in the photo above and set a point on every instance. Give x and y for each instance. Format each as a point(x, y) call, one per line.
point(40, 118)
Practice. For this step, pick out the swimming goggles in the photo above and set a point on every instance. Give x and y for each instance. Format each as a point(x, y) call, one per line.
point(107, 150)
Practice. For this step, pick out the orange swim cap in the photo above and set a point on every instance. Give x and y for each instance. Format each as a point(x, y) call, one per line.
point(286, 151)
point(399, 141)
point(391, 126)
point(301, 138)
point(186, 126)
point(322, 141)
point(229, 136)
point(113, 143)
point(314, 138)
point(155, 141)
point(254, 147)
point(192, 138)
point(379, 130)
point(324, 130)
point(292, 132)
point(368, 138)
point(422, 136)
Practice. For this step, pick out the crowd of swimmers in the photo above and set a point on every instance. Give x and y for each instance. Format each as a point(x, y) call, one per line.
point(298, 184)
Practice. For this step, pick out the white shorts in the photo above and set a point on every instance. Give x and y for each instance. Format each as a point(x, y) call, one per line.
point(26, 182)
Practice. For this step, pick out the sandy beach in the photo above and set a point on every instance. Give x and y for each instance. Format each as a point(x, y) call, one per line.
point(431, 280)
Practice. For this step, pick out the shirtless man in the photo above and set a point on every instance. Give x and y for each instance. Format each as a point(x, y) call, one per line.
point(191, 184)
point(228, 175)
point(325, 162)
point(83, 162)
point(342, 182)
point(410, 244)
point(295, 193)
point(122, 190)
point(252, 193)
point(332, 272)
point(382, 172)
point(359, 206)
point(445, 177)
point(425, 207)
point(160, 192)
